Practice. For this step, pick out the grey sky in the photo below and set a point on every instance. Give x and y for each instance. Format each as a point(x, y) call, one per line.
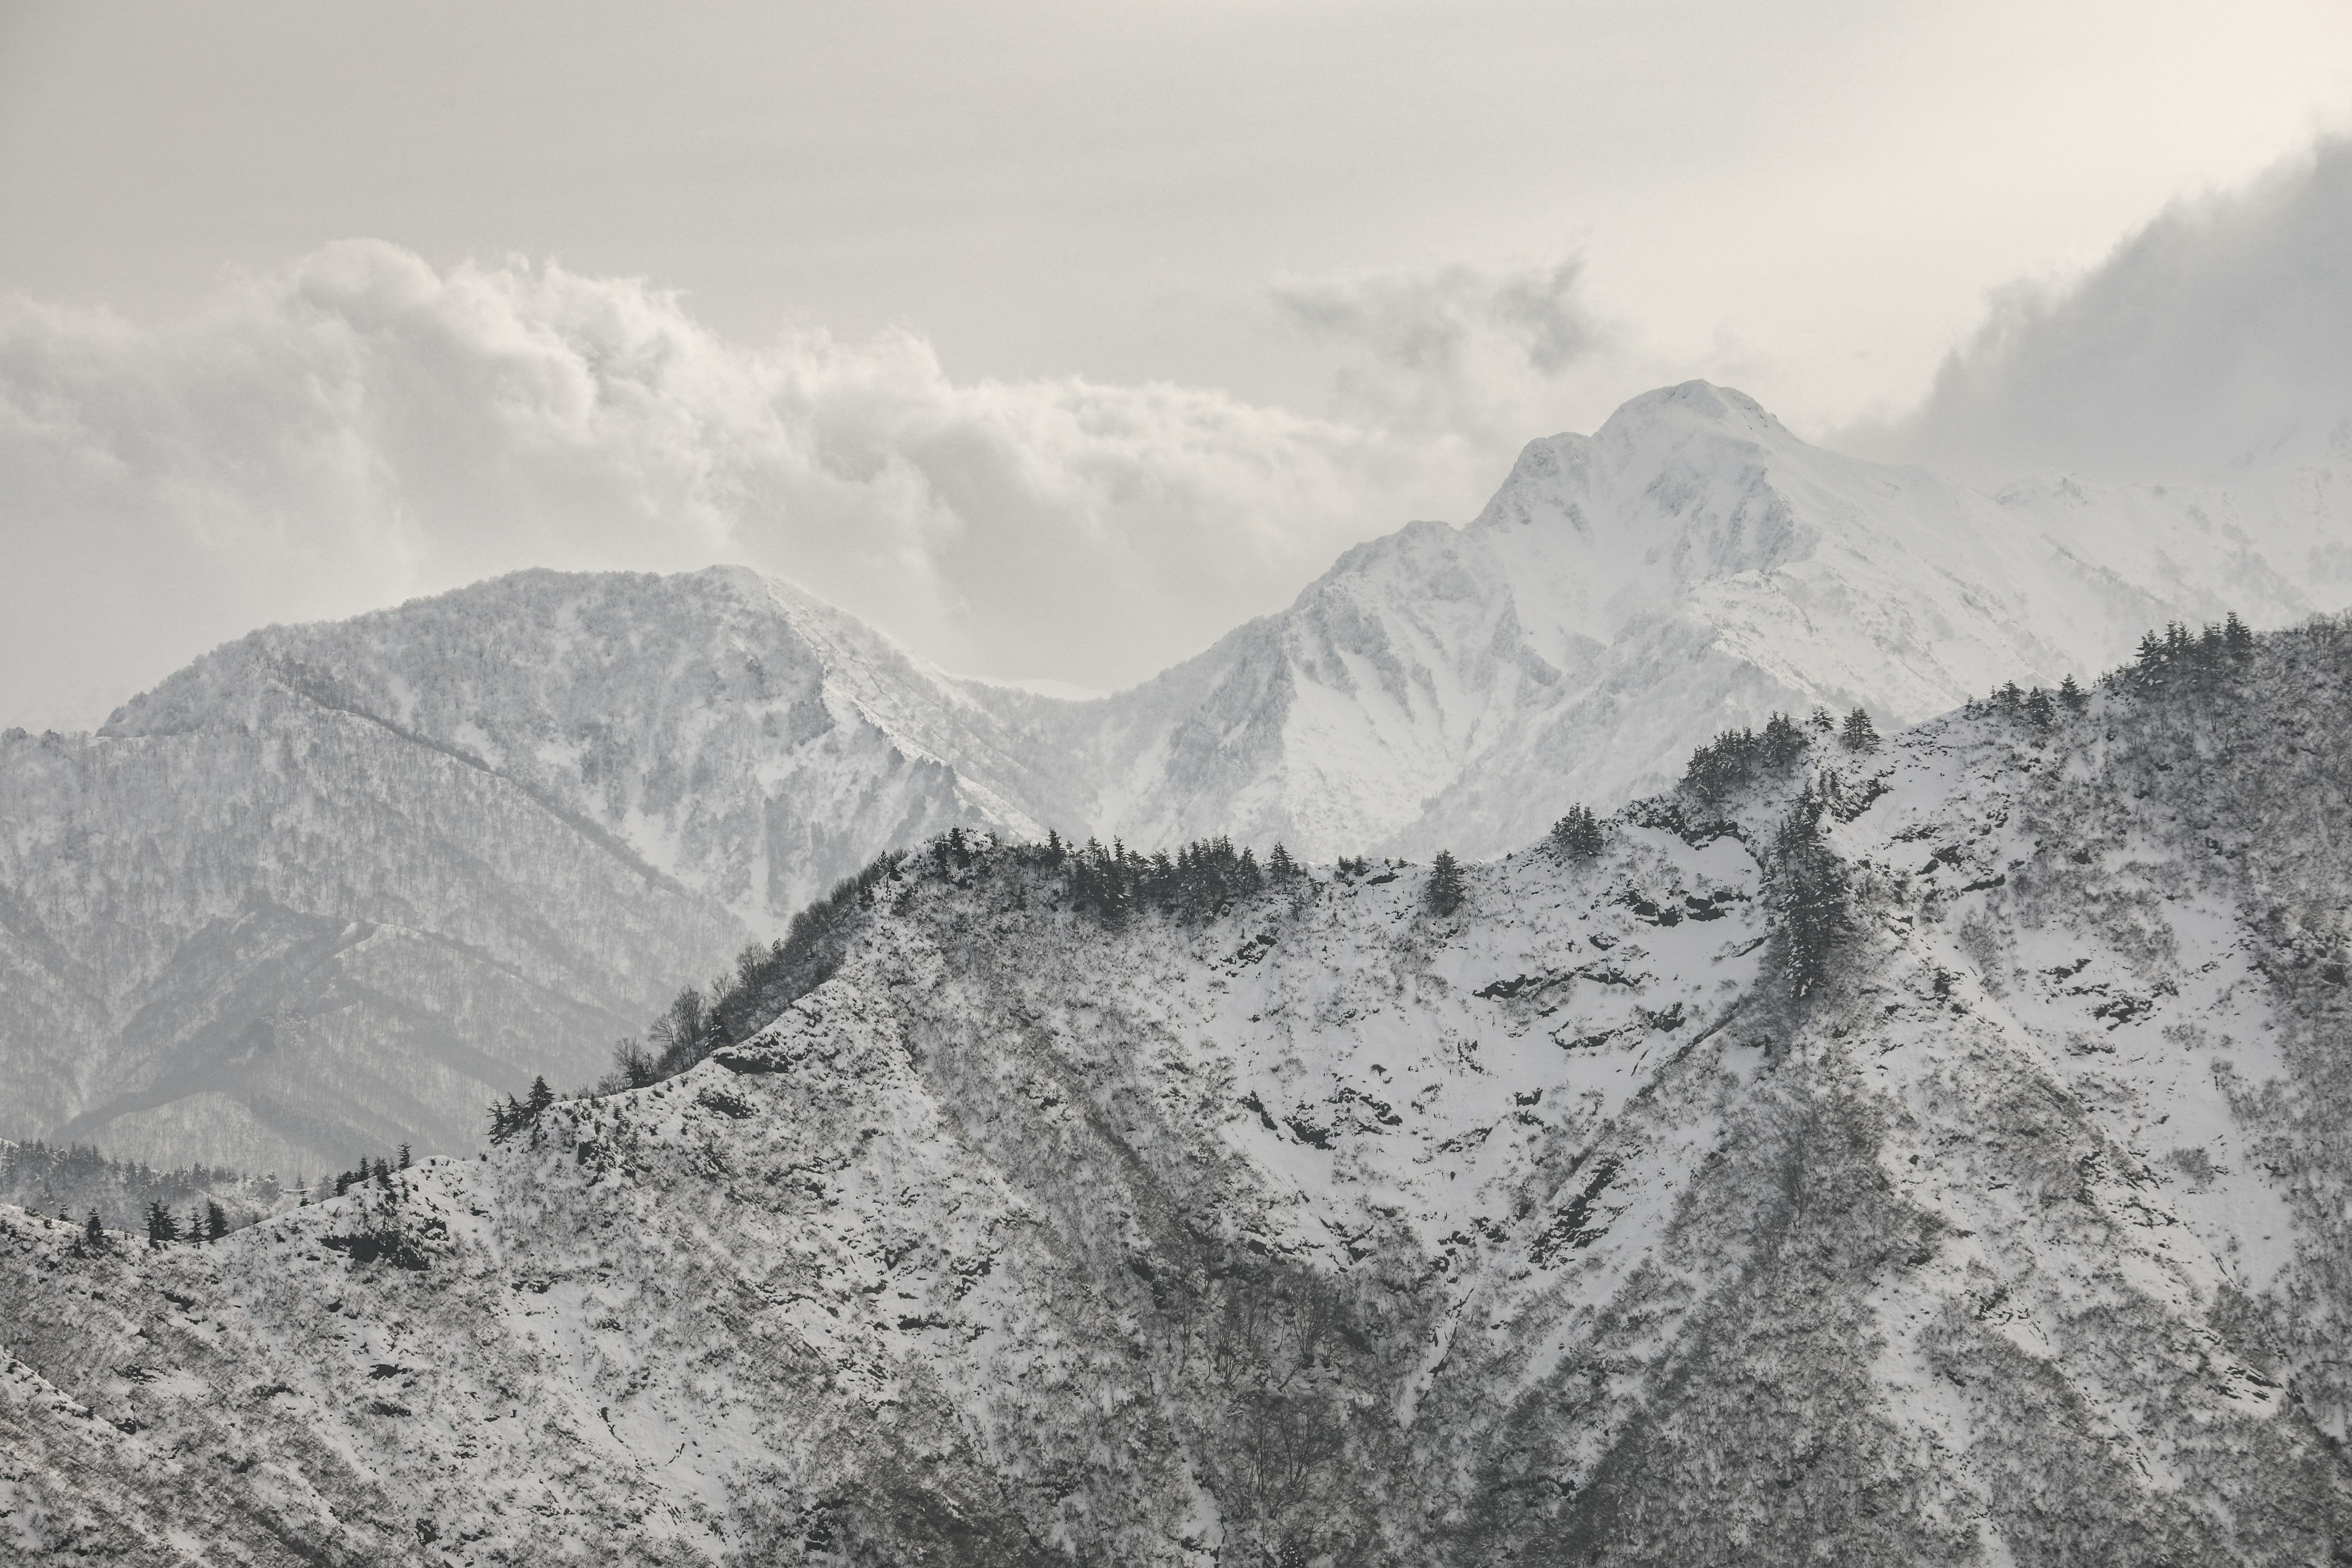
point(1376, 245)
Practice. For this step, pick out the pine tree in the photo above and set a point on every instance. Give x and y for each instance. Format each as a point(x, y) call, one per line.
point(161, 1227)
point(541, 1098)
point(2072, 697)
point(2236, 637)
point(215, 1222)
point(2040, 708)
point(1445, 884)
point(403, 1156)
point(1782, 743)
point(1809, 885)
point(1279, 864)
point(1578, 835)
point(94, 1231)
point(1858, 734)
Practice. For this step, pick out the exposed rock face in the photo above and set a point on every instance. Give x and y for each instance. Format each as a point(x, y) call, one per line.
point(1325, 1229)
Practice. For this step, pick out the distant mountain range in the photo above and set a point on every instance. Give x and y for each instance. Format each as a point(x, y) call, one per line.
point(1927, 1153)
point(331, 888)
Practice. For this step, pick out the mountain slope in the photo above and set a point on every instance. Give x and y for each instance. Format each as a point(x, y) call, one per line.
point(1690, 566)
point(332, 886)
point(1579, 1224)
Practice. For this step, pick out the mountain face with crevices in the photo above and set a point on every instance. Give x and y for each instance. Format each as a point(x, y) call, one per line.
point(331, 888)
point(1934, 1153)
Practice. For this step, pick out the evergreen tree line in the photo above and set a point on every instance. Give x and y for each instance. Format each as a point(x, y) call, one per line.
point(2178, 656)
point(1198, 881)
point(1735, 757)
point(379, 1170)
point(207, 1224)
point(2035, 706)
point(77, 1178)
point(1808, 885)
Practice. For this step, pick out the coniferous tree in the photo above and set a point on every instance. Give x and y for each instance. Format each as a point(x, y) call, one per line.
point(161, 1227)
point(94, 1231)
point(2072, 697)
point(541, 1098)
point(215, 1222)
point(1820, 720)
point(1809, 885)
point(1858, 734)
point(1279, 864)
point(1445, 884)
point(195, 1231)
point(1578, 835)
point(2040, 708)
point(2236, 637)
point(1781, 740)
point(403, 1156)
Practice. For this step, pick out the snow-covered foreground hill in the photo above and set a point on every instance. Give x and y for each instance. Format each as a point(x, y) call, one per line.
point(332, 886)
point(1325, 1229)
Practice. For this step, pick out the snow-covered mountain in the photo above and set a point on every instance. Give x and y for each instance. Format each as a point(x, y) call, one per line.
point(1690, 566)
point(330, 887)
point(1936, 1154)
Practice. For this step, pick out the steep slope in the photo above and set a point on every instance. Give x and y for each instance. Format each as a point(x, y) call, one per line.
point(330, 887)
point(1690, 566)
point(1933, 1155)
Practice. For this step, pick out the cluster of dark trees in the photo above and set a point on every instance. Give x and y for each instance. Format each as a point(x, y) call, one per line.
point(1736, 756)
point(2033, 706)
point(73, 1178)
point(1196, 882)
point(207, 1224)
point(1807, 884)
point(379, 1170)
point(507, 1116)
point(1578, 835)
point(2177, 654)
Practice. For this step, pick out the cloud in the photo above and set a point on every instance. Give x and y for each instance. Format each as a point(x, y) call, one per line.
point(362, 426)
point(2224, 326)
point(1481, 352)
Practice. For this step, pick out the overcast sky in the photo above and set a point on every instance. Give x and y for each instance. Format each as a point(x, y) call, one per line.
point(1056, 338)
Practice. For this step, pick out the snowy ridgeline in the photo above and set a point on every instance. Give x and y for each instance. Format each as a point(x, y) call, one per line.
point(336, 887)
point(1939, 1153)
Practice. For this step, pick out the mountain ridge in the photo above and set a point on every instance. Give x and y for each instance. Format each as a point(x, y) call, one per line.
point(734, 745)
point(1576, 1225)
